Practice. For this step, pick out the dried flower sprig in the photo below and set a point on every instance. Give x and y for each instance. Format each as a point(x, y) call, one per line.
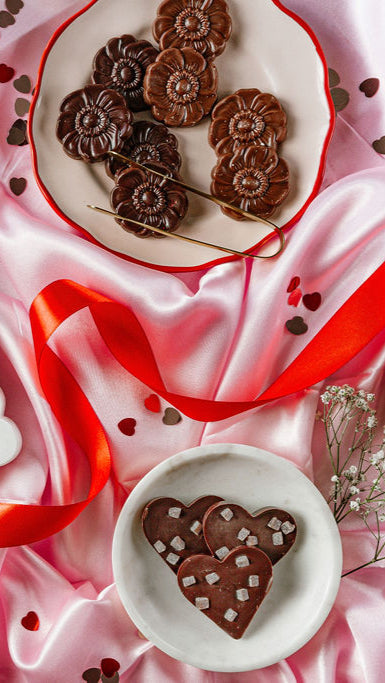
point(358, 480)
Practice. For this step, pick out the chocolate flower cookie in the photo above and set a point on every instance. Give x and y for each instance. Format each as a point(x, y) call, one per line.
point(180, 87)
point(248, 117)
point(204, 25)
point(254, 179)
point(148, 198)
point(148, 142)
point(121, 65)
point(92, 122)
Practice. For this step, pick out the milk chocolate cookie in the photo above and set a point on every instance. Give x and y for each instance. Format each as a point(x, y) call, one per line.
point(228, 592)
point(227, 526)
point(175, 529)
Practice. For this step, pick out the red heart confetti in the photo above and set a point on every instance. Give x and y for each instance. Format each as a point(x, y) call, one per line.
point(127, 426)
point(109, 666)
point(91, 675)
point(31, 621)
point(296, 325)
point(312, 301)
point(171, 416)
point(17, 185)
point(227, 592)
point(294, 283)
point(369, 86)
point(152, 403)
point(294, 297)
point(6, 73)
point(227, 526)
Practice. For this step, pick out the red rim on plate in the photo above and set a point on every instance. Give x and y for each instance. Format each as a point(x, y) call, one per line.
point(208, 264)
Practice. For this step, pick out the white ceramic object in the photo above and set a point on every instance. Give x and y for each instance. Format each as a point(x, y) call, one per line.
point(269, 49)
point(305, 581)
point(10, 437)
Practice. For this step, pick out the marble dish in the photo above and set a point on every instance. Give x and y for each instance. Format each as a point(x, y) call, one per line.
point(305, 581)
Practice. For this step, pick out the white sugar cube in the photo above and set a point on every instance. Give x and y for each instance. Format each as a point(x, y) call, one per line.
point(196, 527)
point(242, 594)
point(253, 581)
point(172, 558)
point(230, 614)
point(277, 538)
point(243, 533)
point(222, 552)
point(287, 527)
point(252, 540)
point(227, 514)
point(159, 546)
point(275, 524)
point(242, 561)
point(212, 578)
point(178, 543)
point(174, 512)
point(188, 581)
point(202, 603)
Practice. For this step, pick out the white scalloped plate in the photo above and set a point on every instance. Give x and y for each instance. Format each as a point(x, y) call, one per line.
point(270, 49)
point(305, 581)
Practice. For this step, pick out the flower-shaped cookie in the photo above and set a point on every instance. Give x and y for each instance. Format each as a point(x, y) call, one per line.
point(255, 179)
point(121, 65)
point(150, 199)
point(204, 25)
point(92, 122)
point(148, 142)
point(180, 87)
point(248, 117)
point(10, 437)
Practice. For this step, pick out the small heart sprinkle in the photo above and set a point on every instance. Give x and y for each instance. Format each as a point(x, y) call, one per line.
point(334, 78)
point(22, 106)
point(340, 98)
point(110, 679)
point(171, 417)
point(109, 666)
point(91, 675)
point(17, 185)
point(379, 145)
point(22, 84)
point(31, 621)
point(369, 86)
point(296, 325)
point(152, 403)
point(294, 283)
point(14, 6)
point(6, 73)
point(294, 297)
point(127, 426)
point(6, 19)
point(18, 133)
point(312, 301)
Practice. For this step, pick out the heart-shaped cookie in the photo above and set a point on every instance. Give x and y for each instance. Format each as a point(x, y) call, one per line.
point(175, 529)
point(228, 592)
point(227, 526)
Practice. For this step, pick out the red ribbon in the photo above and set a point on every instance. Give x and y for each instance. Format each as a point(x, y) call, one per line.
point(349, 330)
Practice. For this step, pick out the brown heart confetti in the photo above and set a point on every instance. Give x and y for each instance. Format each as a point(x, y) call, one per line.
point(152, 403)
point(340, 98)
point(296, 325)
point(22, 106)
point(110, 679)
point(22, 84)
point(334, 78)
point(109, 666)
point(227, 592)
point(17, 185)
point(369, 86)
point(6, 19)
point(227, 526)
point(127, 426)
point(31, 621)
point(6, 73)
point(294, 297)
point(18, 133)
point(294, 283)
point(14, 6)
point(174, 529)
point(379, 145)
point(91, 675)
point(171, 416)
point(312, 301)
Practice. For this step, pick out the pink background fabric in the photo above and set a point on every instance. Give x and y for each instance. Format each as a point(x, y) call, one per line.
point(207, 345)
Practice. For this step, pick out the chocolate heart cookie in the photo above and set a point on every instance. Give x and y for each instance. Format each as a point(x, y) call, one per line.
point(228, 592)
point(227, 526)
point(175, 529)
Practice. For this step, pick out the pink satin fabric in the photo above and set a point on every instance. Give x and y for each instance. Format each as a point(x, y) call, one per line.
point(206, 344)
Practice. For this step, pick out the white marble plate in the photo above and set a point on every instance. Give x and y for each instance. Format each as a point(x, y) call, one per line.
point(269, 49)
point(305, 581)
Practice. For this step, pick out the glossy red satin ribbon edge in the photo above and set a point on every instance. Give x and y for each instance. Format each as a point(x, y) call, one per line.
point(349, 330)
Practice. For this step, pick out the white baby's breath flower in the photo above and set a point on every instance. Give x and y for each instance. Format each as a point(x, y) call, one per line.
point(353, 490)
point(326, 397)
point(371, 421)
point(353, 469)
point(354, 505)
point(381, 518)
point(370, 397)
point(361, 393)
point(334, 478)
